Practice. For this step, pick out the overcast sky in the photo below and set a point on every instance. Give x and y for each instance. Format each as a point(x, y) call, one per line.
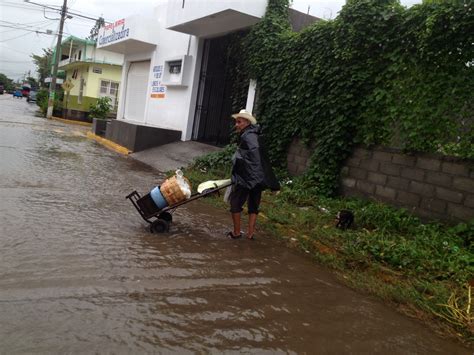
point(17, 44)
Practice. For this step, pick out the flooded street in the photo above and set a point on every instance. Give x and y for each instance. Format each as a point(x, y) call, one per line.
point(80, 273)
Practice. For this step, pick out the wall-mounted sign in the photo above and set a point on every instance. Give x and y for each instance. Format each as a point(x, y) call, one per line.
point(157, 71)
point(113, 32)
point(158, 91)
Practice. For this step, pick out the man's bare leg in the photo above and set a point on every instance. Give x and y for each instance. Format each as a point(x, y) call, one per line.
point(236, 221)
point(251, 228)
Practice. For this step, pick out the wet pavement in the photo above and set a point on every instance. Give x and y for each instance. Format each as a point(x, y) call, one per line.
point(80, 273)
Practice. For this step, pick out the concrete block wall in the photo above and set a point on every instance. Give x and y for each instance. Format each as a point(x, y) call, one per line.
point(298, 158)
point(431, 186)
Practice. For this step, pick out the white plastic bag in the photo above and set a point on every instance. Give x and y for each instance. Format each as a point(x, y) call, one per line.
point(183, 184)
point(227, 193)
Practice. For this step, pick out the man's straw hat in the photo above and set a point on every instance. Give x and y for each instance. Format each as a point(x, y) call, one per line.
point(247, 115)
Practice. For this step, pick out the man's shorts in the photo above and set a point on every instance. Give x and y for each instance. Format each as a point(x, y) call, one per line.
point(240, 194)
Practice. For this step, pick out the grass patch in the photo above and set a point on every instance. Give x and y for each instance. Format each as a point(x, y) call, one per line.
point(426, 269)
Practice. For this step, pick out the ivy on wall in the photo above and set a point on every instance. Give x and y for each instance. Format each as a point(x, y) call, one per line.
point(377, 74)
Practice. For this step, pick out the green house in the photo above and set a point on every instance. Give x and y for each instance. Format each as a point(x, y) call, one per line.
point(92, 72)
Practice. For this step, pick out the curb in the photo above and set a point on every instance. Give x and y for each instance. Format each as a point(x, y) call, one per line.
point(109, 144)
point(80, 123)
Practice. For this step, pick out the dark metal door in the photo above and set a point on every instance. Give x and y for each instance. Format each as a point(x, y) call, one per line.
point(213, 122)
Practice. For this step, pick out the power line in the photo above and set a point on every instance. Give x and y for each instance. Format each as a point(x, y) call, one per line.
point(85, 13)
point(51, 9)
point(26, 23)
point(68, 12)
point(14, 29)
point(22, 24)
point(19, 6)
point(49, 18)
point(29, 33)
point(27, 29)
point(40, 24)
point(25, 34)
point(10, 39)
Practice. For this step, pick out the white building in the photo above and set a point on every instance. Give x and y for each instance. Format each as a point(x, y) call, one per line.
point(174, 84)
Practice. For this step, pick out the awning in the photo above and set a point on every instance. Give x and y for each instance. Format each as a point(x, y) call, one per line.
point(216, 24)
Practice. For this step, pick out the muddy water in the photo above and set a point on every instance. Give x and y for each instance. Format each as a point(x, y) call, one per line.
point(79, 272)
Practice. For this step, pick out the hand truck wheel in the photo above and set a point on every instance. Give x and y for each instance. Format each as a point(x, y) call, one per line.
point(159, 226)
point(166, 216)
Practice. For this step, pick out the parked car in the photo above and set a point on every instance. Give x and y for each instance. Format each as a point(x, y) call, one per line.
point(2, 89)
point(31, 96)
point(18, 94)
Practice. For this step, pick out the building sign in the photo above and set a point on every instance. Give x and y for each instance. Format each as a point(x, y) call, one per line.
point(158, 91)
point(113, 32)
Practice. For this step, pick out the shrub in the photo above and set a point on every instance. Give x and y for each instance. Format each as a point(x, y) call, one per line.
point(221, 160)
point(42, 101)
point(101, 108)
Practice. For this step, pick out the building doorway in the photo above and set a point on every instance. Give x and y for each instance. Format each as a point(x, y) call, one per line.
point(136, 90)
point(218, 96)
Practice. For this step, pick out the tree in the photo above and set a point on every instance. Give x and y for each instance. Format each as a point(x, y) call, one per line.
point(94, 33)
point(43, 64)
point(33, 82)
point(6, 82)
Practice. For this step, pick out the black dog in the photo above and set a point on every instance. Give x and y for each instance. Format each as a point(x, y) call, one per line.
point(344, 218)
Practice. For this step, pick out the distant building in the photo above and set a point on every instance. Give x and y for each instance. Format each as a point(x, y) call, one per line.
point(93, 73)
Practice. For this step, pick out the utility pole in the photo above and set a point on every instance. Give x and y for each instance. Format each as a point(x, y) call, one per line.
point(52, 86)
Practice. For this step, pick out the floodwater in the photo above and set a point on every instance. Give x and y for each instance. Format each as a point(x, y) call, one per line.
point(80, 273)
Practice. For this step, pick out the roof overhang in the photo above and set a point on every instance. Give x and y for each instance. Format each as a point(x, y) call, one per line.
point(130, 46)
point(216, 24)
point(76, 42)
point(67, 64)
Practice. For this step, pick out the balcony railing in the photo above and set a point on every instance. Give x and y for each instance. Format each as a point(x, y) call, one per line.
point(67, 61)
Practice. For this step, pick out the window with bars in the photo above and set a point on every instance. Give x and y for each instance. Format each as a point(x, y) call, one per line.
point(110, 89)
point(114, 88)
point(104, 87)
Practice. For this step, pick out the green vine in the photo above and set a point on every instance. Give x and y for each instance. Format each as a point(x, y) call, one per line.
point(377, 74)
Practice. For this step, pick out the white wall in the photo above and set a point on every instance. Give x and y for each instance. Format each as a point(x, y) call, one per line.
point(173, 111)
point(104, 56)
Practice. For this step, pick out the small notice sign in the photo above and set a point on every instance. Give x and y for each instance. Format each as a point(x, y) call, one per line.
point(67, 85)
point(158, 90)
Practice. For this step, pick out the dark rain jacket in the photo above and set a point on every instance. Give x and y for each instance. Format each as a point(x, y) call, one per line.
point(250, 165)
